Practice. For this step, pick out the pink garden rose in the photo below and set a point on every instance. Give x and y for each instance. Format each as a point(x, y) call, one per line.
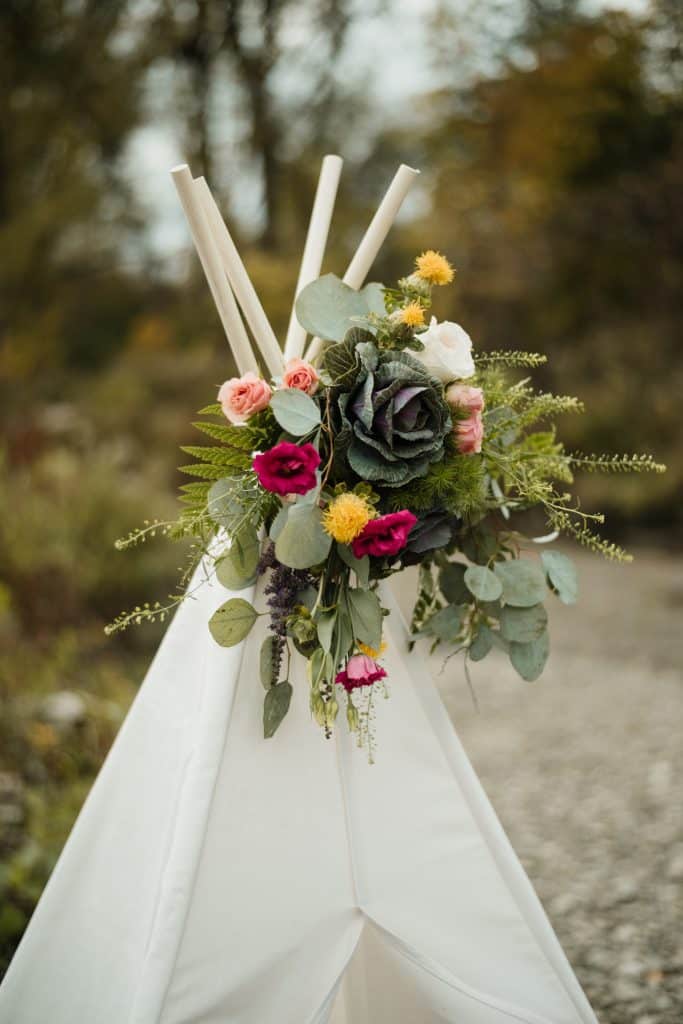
point(465, 397)
point(241, 397)
point(469, 432)
point(287, 468)
point(361, 670)
point(301, 375)
point(386, 535)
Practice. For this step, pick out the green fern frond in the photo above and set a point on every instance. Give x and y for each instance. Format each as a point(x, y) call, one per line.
point(203, 469)
point(615, 463)
point(510, 359)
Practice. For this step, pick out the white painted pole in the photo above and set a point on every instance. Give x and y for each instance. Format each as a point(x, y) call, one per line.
point(228, 312)
point(372, 240)
point(245, 293)
point(314, 249)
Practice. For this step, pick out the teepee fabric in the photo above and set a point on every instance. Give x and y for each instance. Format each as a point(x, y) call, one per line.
point(216, 877)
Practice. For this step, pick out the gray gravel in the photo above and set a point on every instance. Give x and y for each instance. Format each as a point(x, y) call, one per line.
point(584, 768)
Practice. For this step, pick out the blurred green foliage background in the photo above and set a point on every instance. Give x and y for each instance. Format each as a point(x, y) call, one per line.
point(550, 134)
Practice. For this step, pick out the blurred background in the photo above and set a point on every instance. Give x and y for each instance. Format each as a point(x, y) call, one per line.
point(550, 137)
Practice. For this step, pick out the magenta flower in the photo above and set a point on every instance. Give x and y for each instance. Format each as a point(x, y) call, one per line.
point(386, 535)
point(361, 670)
point(287, 468)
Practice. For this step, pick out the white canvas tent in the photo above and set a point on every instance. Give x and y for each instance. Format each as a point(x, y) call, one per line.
point(214, 877)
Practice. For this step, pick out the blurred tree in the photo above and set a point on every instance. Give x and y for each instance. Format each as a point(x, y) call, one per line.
point(71, 76)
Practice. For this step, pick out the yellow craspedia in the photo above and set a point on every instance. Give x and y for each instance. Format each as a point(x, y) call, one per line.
point(346, 516)
point(431, 266)
point(372, 652)
point(413, 315)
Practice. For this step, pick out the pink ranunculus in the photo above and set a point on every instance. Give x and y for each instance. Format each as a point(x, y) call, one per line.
point(241, 397)
point(386, 535)
point(469, 434)
point(361, 670)
point(287, 468)
point(301, 375)
point(464, 397)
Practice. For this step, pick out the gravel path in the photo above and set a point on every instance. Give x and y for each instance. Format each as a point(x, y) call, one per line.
point(584, 768)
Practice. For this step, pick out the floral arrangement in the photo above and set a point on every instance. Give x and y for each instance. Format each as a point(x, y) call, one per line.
point(396, 446)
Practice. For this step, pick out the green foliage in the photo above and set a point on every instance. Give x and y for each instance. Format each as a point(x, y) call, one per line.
point(231, 623)
point(329, 308)
point(275, 707)
point(455, 484)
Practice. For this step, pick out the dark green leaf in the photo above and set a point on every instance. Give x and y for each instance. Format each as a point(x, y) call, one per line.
point(482, 643)
point(366, 616)
point(446, 623)
point(452, 583)
point(361, 566)
point(275, 707)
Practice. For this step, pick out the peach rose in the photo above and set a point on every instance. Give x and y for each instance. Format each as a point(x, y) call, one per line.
point(241, 397)
point(470, 434)
point(465, 397)
point(301, 375)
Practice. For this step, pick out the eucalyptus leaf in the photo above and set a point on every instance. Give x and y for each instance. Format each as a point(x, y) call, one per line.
point(452, 583)
point(523, 582)
point(481, 644)
point(275, 707)
point(223, 502)
point(295, 411)
point(529, 659)
point(232, 621)
point(303, 541)
point(523, 625)
point(277, 525)
point(325, 623)
point(361, 566)
point(328, 308)
point(446, 623)
point(366, 616)
point(267, 661)
point(561, 574)
point(483, 583)
point(236, 568)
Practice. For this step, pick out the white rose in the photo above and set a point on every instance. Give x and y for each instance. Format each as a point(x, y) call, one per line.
point(447, 350)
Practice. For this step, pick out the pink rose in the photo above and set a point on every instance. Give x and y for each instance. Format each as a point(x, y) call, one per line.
point(241, 397)
point(469, 434)
point(287, 468)
point(361, 670)
point(386, 535)
point(465, 397)
point(301, 375)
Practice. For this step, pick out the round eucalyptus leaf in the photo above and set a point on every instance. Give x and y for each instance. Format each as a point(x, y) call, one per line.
point(295, 411)
point(529, 659)
point(483, 583)
point(236, 568)
point(232, 621)
point(523, 582)
point(561, 575)
point(523, 625)
point(446, 623)
point(303, 541)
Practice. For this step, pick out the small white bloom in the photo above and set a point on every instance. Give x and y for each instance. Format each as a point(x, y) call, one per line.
point(447, 350)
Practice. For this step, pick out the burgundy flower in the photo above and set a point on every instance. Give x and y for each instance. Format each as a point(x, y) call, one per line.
point(386, 535)
point(361, 670)
point(287, 468)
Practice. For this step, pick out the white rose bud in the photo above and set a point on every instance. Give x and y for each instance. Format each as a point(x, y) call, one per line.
point(447, 352)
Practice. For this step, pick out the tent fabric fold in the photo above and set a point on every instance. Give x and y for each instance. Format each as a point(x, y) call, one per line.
point(216, 877)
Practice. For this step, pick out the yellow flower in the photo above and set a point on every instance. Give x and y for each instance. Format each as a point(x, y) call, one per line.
point(346, 516)
point(413, 315)
point(433, 267)
point(372, 652)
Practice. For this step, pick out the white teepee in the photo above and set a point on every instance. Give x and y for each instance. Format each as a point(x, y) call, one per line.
point(216, 878)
